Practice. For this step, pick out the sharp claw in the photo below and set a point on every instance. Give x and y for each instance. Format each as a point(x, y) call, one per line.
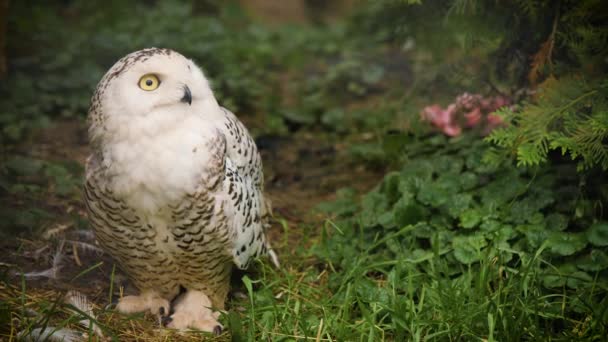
point(217, 330)
point(112, 305)
point(165, 320)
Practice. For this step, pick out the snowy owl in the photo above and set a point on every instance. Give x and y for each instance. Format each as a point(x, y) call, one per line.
point(174, 187)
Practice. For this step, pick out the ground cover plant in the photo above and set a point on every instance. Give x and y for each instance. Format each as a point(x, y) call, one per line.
point(434, 176)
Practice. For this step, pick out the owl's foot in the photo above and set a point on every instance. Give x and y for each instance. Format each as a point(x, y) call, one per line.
point(147, 300)
point(193, 310)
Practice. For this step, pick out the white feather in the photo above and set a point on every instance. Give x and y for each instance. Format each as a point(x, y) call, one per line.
point(82, 303)
point(83, 235)
point(53, 272)
point(152, 170)
point(85, 246)
point(51, 334)
point(154, 144)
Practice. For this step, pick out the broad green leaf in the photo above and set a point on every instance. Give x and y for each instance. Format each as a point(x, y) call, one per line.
point(596, 260)
point(390, 187)
point(413, 173)
point(458, 204)
point(553, 280)
point(578, 279)
point(370, 292)
point(566, 243)
point(423, 230)
point(557, 277)
point(470, 218)
point(490, 225)
point(408, 212)
point(437, 193)
point(448, 164)
point(556, 221)
point(535, 234)
point(467, 180)
point(394, 144)
point(505, 233)
point(387, 219)
point(467, 249)
point(527, 209)
point(374, 204)
point(597, 234)
point(505, 251)
point(503, 189)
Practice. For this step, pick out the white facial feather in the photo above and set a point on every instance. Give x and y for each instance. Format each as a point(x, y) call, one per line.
point(153, 143)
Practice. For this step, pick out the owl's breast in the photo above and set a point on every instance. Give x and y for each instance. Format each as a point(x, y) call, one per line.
point(152, 169)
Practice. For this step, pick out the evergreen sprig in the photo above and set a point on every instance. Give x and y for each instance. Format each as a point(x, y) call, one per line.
point(569, 115)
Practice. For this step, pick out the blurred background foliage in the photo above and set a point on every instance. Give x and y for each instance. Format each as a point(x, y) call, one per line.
point(483, 233)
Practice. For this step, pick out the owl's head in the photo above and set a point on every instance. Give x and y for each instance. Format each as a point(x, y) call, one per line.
point(149, 81)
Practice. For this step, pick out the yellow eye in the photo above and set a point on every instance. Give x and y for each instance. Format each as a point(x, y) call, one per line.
point(149, 82)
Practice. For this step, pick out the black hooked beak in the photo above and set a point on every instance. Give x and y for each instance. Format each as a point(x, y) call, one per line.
point(187, 95)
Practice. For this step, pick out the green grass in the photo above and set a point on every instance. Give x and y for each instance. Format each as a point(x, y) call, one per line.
point(418, 299)
point(310, 300)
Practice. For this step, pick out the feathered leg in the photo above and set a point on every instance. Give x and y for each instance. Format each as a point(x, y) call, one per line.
point(147, 300)
point(193, 310)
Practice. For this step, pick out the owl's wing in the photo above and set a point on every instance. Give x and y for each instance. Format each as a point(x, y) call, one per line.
point(241, 148)
point(244, 184)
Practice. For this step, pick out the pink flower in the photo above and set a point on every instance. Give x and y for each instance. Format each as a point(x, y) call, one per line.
point(473, 117)
point(493, 121)
point(444, 119)
point(500, 101)
point(486, 104)
point(449, 114)
point(452, 130)
point(436, 115)
point(467, 111)
point(432, 113)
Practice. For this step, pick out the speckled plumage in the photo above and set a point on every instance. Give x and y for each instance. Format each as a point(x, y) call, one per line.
point(174, 191)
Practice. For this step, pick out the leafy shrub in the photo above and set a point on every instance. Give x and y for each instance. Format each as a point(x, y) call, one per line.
point(557, 46)
point(569, 115)
point(446, 204)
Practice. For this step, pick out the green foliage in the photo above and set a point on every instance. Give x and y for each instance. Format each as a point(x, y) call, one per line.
point(514, 44)
point(418, 296)
point(56, 76)
point(446, 213)
point(447, 246)
point(569, 115)
point(346, 68)
point(26, 182)
point(452, 200)
point(598, 234)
